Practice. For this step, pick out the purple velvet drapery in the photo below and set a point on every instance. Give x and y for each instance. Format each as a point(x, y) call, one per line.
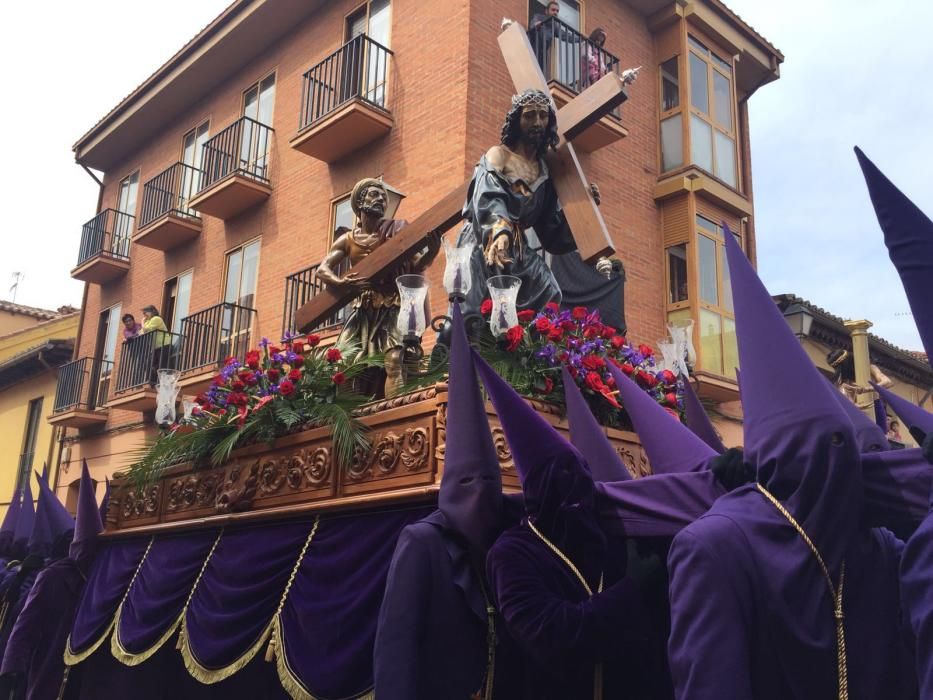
point(110, 576)
point(161, 589)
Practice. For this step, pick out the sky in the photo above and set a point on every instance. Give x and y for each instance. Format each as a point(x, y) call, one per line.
point(853, 75)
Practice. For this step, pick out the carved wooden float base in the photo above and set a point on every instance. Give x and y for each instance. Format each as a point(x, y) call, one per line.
point(297, 474)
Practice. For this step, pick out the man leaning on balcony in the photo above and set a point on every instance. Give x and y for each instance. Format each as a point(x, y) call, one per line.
point(161, 342)
point(372, 322)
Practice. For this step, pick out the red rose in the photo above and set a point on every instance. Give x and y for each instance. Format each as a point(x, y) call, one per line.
point(313, 340)
point(286, 388)
point(229, 360)
point(671, 399)
point(579, 312)
point(237, 385)
point(552, 306)
point(274, 349)
point(590, 332)
point(593, 362)
point(486, 307)
point(568, 325)
point(548, 385)
point(525, 315)
point(595, 382)
point(617, 341)
point(338, 378)
point(514, 337)
point(298, 346)
point(202, 400)
point(648, 380)
point(646, 350)
point(235, 398)
point(555, 334)
point(608, 332)
point(668, 377)
point(273, 374)
point(249, 378)
point(628, 369)
point(218, 380)
point(333, 355)
point(564, 356)
point(252, 359)
point(294, 375)
point(542, 325)
point(298, 361)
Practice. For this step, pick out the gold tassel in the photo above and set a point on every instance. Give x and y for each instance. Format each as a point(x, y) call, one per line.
point(210, 675)
point(270, 651)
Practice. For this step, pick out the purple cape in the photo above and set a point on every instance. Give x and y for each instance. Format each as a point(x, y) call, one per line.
point(917, 599)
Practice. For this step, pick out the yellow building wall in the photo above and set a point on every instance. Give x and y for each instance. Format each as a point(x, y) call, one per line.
point(10, 322)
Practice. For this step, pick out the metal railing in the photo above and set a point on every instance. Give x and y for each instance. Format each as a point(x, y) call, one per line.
point(300, 288)
point(106, 235)
point(169, 193)
point(83, 383)
point(240, 149)
point(358, 70)
point(212, 335)
point(143, 356)
point(568, 57)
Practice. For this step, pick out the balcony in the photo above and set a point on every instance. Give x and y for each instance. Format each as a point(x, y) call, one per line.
point(208, 338)
point(571, 63)
point(104, 254)
point(167, 219)
point(343, 101)
point(81, 392)
point(234, 170)
point(300, 288)
point(137, 371)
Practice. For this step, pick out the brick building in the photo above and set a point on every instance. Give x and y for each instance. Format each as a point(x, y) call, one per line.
point(226, 172)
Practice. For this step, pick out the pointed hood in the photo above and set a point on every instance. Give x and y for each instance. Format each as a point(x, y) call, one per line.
point(588, 436)
point(908, 234)
point(796, 434)
point(670, 445)
point(697, 419)
point(868, 434)
point(87, 523)
point(471, 486)
point(105, 501)
point(59, 519)
point(45, 472)
point(9, 520)
point(912, 416)
point(556, 482)
point(26, 519)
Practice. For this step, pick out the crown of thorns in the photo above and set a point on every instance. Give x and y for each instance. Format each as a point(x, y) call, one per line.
point(531, 97)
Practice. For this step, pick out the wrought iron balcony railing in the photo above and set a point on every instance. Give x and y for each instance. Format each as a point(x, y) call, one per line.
point(358, 70)
point(240, 149)
point(106, 235)
point(143, 356)
point(169, 193)
point(82, 384)
point(211, 335)
point(568, 57)
point(300, 288)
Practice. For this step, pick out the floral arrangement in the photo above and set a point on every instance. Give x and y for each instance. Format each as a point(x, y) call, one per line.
point(274, 390)
point(530, 354)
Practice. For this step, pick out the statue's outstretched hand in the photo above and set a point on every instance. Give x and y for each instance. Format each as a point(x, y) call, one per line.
point(497, 252)
point(354, 279)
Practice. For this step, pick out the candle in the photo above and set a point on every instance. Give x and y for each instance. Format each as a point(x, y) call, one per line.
point(412, 321)
point(503, 321)
point(458, 280)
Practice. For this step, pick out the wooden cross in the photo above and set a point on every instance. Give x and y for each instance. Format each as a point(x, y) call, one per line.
point(573, 189)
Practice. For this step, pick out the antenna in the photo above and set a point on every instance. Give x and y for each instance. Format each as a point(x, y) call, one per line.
point(17, 278)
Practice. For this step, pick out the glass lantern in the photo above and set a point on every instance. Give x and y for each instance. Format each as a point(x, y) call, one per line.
point(669, 353)
point(503, 290)
point(413, 293)
point(457, 279)
point(682, 334)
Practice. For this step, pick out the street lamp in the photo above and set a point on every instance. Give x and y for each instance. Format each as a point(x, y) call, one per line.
point(799, 319)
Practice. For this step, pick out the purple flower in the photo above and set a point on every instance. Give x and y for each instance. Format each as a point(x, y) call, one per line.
point(264, 343)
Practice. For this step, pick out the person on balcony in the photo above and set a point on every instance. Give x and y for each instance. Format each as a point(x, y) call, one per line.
point(543, 31)
point(596, 60)
point(161, 342)
point(372, 320)
point(131, 328)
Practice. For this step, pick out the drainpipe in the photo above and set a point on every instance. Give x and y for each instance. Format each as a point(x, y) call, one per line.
point(858, 331)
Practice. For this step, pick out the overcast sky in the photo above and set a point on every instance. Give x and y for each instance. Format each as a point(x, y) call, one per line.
point(855, 73)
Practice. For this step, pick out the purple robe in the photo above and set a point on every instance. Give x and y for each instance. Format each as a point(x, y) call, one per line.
point(917, 597)
point(37, 642)
point(753, 617)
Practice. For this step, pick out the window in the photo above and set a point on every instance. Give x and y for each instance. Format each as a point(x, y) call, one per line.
point(125, 216)
point(258, 103)
point(175, 300)
point(712, 122)
point(192, 149)
point(259, 100)
point(363, 66)
point(30, 434)
point(672, 135)
point(242, 274)
point(677, 274)
point(107, 330)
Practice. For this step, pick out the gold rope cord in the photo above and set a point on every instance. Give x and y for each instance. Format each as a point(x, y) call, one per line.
point(72, 658)
point(836, 594)
point(134, 659)
point(209, 675)
point(598, 670)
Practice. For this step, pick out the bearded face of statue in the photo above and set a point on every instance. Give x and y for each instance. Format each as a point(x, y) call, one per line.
point(533, 123)
point(374, 202)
